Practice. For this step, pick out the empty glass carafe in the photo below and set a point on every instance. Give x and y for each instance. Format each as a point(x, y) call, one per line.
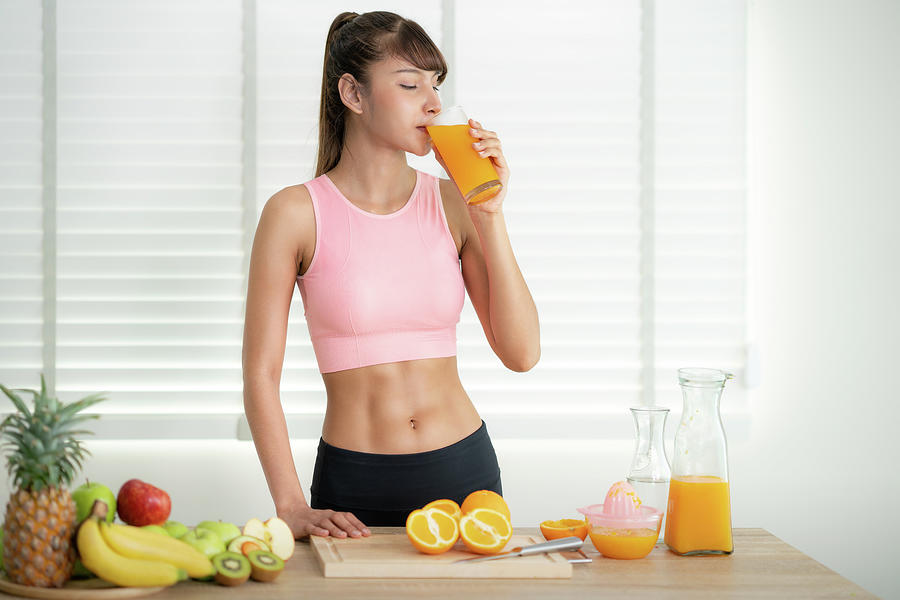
point(649, 473)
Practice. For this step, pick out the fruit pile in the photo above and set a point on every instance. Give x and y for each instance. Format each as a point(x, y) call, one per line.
point(50, 535)
point(483, 524)
point(150, 550)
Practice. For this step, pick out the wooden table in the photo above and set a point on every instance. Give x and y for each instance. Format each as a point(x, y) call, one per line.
point(762, 566)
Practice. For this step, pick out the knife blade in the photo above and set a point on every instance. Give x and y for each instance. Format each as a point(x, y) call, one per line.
point(566, 543)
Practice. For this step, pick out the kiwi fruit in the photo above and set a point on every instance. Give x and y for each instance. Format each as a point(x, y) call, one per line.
point(264, 565)
point(231, 568)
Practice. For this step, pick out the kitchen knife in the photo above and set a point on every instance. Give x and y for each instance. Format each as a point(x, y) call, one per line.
point(566, 543)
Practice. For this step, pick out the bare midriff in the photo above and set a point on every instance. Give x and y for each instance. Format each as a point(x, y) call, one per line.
point(398, 408)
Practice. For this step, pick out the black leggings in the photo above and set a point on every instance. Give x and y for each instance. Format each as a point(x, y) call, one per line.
point(382, 489)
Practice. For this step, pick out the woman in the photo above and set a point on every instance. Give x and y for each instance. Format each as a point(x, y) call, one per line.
point(382, 255)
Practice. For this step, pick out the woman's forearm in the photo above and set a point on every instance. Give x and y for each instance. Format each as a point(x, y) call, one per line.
point(513, 315)
point(265, 416)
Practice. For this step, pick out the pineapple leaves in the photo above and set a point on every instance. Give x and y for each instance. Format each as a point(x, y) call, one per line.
point(40, 443)
point(20, 405)
point(71, 409)
point(75, 420)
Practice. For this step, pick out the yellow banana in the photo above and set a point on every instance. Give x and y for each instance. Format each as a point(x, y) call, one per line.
point(107, 564)
point(135, 542)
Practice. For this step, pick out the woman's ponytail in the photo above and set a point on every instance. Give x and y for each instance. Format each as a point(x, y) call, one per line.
point(331, 117)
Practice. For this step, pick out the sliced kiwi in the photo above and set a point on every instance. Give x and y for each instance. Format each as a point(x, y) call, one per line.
point(231, 568)
point(264, 565)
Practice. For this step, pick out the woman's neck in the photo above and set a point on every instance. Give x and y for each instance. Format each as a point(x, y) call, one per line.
point(372, 176)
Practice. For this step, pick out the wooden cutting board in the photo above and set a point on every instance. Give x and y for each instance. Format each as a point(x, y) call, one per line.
point(391, 556)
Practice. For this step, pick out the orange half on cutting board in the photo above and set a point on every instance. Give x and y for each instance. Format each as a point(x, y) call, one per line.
point(485, 530)
point(431, 530)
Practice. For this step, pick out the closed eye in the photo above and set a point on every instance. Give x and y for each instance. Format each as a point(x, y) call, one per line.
point(412, 87)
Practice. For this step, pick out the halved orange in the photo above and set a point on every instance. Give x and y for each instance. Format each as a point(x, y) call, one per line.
point(431, 530)
point(485, 499)
point(448, 506)
point(485, 530)
point(553, 530)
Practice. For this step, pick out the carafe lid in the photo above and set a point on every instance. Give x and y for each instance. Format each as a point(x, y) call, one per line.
point(699, 377)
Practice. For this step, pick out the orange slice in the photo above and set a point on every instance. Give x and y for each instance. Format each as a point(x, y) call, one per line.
point(448, 506)
point(431, 530)
point(553, 530)
point(485, 530)
point(485, 499)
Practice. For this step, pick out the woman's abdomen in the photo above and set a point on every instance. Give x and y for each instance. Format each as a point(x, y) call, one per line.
point(398, 408)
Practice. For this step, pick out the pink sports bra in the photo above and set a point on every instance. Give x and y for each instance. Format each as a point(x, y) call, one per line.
point(381, 288)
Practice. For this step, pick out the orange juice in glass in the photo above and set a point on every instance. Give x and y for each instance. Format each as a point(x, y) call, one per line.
point(474, 175)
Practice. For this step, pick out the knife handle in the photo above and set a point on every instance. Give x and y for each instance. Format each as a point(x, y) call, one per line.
point(566, 543)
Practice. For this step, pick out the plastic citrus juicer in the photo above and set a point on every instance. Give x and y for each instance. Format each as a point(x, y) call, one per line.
point(623, 527)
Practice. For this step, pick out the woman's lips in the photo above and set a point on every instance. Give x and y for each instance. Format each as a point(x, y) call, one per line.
point(422, 129)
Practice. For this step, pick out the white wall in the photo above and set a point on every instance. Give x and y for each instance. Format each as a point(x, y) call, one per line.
point(817, 468)
point(824, 208)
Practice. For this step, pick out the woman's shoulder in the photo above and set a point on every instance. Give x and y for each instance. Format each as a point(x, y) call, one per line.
point(290, 210)
point(293, 201)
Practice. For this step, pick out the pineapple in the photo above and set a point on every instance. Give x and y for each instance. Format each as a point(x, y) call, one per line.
point(43, 459)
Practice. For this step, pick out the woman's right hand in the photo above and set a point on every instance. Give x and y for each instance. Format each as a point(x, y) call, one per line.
point(305, 521)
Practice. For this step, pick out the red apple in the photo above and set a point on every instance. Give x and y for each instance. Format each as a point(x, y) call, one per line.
point(140, 503)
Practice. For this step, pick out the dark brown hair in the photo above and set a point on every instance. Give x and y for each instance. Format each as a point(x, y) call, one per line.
point(355, 42)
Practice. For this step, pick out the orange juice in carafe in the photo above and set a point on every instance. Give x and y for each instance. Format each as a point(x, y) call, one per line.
point(698, 515)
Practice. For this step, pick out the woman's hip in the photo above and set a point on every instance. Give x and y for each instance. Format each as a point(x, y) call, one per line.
point(352, 480)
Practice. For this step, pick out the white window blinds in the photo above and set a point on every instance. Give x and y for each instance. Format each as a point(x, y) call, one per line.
point(21, 214)
point(699, 192)
point(623, 123)
point(559, 83)
point(149, 206)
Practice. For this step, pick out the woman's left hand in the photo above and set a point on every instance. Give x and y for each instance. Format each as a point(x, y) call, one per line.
point(487, 145)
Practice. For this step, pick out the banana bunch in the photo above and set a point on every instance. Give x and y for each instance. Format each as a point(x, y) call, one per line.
point(134, 557)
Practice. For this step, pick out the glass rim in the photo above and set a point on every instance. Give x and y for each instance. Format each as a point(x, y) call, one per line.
point(650, 408)
point(452, 115)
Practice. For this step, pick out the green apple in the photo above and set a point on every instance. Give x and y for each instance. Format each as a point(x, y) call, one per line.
point(225, 531)
point(157, 529)
point(205, 541)
point(85, 495)
point(175, 529)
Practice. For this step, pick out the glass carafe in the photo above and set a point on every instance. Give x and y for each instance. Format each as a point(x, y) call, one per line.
point(698, 516)
point(649, 473)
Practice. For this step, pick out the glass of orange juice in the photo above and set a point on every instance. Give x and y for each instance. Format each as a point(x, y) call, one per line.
point(474, 175)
